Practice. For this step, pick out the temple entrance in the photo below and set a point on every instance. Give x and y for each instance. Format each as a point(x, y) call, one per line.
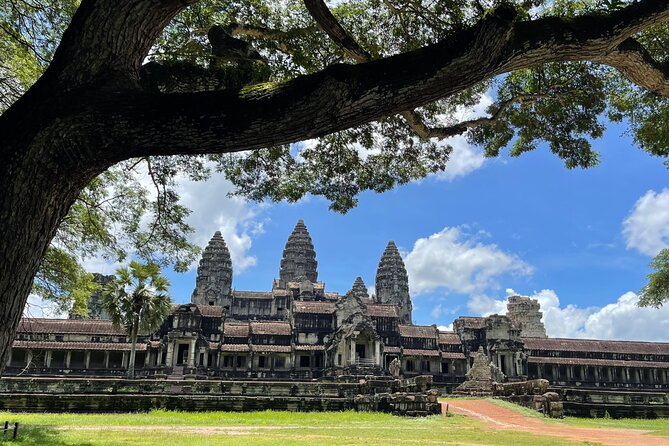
point(182, 354)
point(360, 351)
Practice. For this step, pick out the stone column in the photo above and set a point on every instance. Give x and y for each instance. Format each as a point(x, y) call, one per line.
point(377, 353)
point(191, 354)
point(47, 359)
point(609, 374)
point(169, 359)
point(67, 359)
point(106, 359)
point(352, 359)
point(88, 359)
point(124, 360)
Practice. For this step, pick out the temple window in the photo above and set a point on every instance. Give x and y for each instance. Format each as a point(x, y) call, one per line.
point(304, 361)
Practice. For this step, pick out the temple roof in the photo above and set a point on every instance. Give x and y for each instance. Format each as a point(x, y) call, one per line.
point(418, 331)
point(449, 337)
point(234, 347)
point(271, 348)
point(310, 347)
point(598, 362)
point(381, 310)
point(271, 328)
point(236, 330)
point(253, 294)
point(68, 326)
point(453, 355)
point(419, 352)
point(594, 345)
point(472, 322)
point(54, 345)
point(331, 295)
point(211, 310)
point(298, 261)
point(313, 307)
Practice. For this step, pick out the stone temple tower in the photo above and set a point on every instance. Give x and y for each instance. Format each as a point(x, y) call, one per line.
point(214, 274)
point(359, 289)
point(299, 257)
point(526, 314)
point(392, 282)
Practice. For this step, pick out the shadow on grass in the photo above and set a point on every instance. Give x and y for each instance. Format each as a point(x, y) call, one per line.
point(36, 435)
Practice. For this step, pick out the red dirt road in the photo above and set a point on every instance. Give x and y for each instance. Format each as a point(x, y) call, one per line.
point(497, 417)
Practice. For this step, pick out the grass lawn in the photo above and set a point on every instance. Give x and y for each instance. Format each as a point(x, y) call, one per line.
point(656, 427)
point(261, 428)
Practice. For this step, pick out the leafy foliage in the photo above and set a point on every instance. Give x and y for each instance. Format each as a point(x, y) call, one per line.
point(656, 292)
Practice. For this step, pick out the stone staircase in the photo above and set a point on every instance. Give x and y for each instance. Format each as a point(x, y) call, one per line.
point(177, 373)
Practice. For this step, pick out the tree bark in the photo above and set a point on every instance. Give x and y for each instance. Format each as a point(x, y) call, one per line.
point(133, 346)
point(88, 112)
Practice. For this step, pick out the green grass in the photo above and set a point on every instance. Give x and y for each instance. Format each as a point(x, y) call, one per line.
point(261, 428)
point(655, 427)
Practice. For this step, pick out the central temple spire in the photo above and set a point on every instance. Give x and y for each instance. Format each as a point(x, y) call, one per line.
point(298, 262)
point(213, 284)
point(392, 282)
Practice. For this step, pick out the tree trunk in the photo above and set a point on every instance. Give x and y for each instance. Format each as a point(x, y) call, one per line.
point(133, 346)
point(42, 172)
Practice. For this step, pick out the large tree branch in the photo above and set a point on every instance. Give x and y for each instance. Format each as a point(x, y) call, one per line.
point(107, 41)
point(331, 26)
point(638, 66)
point(343, 96)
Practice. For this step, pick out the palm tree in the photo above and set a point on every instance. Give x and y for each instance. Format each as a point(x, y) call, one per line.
point(137, 300)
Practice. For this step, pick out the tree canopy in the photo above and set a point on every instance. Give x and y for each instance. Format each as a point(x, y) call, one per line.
point(106, 103)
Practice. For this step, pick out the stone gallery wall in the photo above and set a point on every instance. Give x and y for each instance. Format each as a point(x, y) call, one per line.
point(412, 397)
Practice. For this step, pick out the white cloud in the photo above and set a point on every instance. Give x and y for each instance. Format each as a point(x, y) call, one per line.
point(464, 159)
point(483, 305)
point(448, 327)
point(214, 211)
point(37, 307)
point(459, 262)
point(646, 229)
point(622, 319)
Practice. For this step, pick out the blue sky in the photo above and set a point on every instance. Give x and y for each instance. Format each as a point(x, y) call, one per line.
point(578, 240)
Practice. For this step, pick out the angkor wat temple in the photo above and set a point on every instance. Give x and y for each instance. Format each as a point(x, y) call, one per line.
point(300, 331)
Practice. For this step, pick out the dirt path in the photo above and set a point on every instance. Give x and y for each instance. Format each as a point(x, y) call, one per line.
point(501, 418)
